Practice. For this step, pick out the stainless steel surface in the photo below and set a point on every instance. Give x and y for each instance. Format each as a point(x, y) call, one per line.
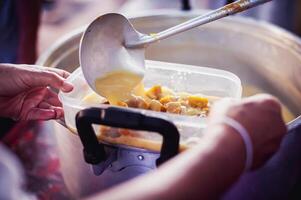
point(102, 49)
point(263, 56)
point(105, 48)
point(83, 179)
point(284, 13)
point(230, 9)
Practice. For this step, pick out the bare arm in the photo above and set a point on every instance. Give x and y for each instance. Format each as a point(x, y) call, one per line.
point(207, 170)
point(201, 173)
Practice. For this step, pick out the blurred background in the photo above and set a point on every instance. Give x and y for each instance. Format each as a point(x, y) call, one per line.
point(61, 16)
point(58, 17)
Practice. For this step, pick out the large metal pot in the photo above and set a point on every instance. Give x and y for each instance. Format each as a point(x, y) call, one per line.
point(265, 57)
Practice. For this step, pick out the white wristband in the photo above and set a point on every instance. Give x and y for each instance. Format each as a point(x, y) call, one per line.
point(246, 139)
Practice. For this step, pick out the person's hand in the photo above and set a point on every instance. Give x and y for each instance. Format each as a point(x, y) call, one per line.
point(25, 92)
point(261, 116)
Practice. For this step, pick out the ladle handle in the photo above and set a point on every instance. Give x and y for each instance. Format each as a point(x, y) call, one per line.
point(229, 9)
point(94, 151)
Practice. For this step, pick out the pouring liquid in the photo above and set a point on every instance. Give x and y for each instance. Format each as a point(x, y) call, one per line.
point(119, 86)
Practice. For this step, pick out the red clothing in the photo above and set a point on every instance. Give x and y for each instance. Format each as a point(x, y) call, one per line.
point(36, 149)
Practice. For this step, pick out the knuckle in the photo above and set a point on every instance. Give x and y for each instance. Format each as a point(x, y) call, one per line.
point(45, 74)
point(268, 101)
point(54, 78)
point(52, 75)
point(273, 103)
point(269, 98)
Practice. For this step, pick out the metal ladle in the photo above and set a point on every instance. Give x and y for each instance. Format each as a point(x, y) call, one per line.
point(111, 43)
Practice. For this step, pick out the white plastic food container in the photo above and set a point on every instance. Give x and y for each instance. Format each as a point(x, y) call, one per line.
point(177, 77)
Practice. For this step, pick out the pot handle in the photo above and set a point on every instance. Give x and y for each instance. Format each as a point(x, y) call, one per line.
point(94, 151)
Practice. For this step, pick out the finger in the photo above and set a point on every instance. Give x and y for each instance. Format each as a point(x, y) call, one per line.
point(267, 101)
point(35, 103)
point(263, 98)
point(58, 110)
point(44, 105)
point(52, 98)
point(40, 114)
point(46, 78)
point(45, 114)
point(33, 98)
point(59, 72)
point(54, 102)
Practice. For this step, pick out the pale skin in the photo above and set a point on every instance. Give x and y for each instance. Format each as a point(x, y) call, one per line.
point(206, 171)
point(203, 172)
point(26, 92)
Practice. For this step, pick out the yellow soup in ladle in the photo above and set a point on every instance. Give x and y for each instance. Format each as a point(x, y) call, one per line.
point(119, 86)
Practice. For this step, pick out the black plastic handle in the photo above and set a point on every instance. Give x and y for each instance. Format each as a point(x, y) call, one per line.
point(94, 151)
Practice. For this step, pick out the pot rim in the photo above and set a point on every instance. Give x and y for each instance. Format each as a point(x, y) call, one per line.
point(290, 40)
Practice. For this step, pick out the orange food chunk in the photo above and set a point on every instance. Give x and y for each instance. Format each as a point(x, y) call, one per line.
point(196, 101)
point(155, 105)
point(137, 102)
point(122, 104)
point(124, 131)
point(127, 132)
point(173, 107)
point(155, 92)
point(167, 99)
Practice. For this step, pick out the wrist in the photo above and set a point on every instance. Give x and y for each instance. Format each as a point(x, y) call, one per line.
point(240, 130)
point(216, 162)
point(229, 147)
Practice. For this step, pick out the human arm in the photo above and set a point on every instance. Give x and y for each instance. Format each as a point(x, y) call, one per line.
point(26, 94)
point(207, 170)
